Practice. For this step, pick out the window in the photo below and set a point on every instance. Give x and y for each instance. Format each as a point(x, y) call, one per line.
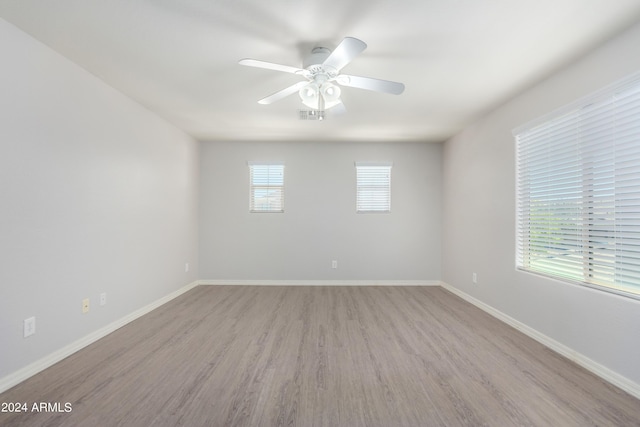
point(373, 187)
point(266, 187)
point(578, 191)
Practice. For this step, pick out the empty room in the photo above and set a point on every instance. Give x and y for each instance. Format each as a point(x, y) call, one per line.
point(303, 213)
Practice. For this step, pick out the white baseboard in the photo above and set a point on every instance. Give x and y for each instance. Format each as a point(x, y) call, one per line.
point(39, 365)
point(220, 282)
point(602, 371)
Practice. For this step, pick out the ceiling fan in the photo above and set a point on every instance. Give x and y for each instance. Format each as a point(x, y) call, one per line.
point(321, 69)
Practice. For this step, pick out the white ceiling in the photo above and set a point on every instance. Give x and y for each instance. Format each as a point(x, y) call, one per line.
point(457, 58)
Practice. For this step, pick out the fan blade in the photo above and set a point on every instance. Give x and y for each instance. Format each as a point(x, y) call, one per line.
point(368, 83)
point(283, 93)
point(270, 66)
point(348, 49)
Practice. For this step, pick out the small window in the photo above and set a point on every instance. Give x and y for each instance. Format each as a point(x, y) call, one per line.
point(266, 187)
point(373, 187)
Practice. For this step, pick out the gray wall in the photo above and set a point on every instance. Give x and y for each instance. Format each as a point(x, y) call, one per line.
point(320, 223)
point(97, 195)
point(479, 222)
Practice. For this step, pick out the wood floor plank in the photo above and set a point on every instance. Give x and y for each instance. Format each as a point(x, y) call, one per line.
point(320, 356)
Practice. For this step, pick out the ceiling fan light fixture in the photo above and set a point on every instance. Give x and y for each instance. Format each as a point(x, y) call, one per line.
point(331, 94)
point(309, 95)
point(328, 93)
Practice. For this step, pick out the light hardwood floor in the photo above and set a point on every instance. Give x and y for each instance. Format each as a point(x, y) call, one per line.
point(320, 356)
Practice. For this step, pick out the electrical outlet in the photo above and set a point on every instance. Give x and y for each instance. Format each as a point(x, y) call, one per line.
point(474, 278)
point(85, 305)
point(103, 298)
point(334, 264)
point(29, 326)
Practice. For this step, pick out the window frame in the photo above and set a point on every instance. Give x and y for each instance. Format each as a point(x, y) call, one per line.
point(378, 199)
point(578, 179)
point(273, 187)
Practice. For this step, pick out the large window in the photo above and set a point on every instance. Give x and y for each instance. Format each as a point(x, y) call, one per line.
point(373, 187)
point(266, 187)
point(578, 191)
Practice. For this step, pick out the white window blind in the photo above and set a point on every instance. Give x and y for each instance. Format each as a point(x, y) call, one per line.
point(578, 191)
point(266, 192)
point(373, 187)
